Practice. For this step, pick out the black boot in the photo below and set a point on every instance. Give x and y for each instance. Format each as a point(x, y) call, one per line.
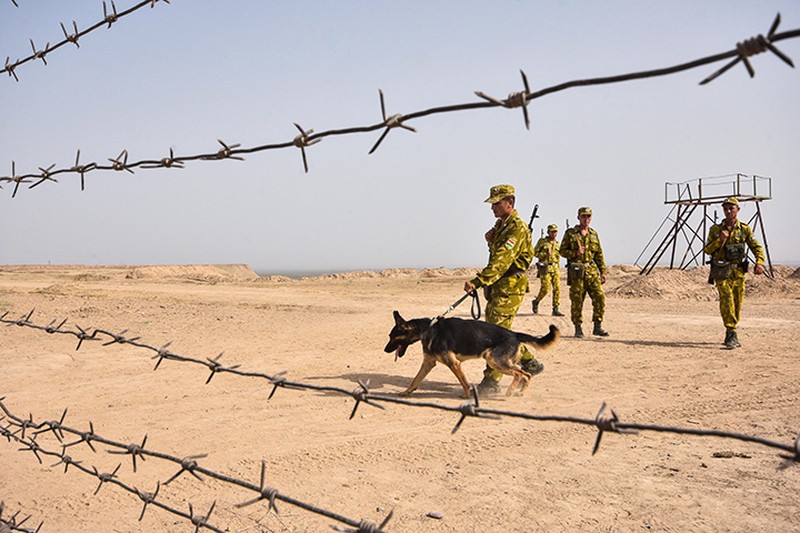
point(532, 366)
point(731, 340)
point(598, 330)
point(535, 306)
point(488, 387)
point(556, 312)
point(578, 331)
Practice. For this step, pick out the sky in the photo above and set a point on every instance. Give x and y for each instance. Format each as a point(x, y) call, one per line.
point(181, 75)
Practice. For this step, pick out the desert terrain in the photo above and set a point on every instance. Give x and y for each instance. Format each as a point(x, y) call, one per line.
point(663, 364)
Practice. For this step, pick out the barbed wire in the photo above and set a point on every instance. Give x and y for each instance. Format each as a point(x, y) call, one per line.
point(13, 524)
point(18, 427)
point(606, 420)
point(110, 16)
point(307, 138)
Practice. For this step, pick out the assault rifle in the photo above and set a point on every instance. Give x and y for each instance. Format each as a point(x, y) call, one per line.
point(534, 216)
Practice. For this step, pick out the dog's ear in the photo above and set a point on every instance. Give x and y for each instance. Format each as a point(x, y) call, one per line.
point(397, 318)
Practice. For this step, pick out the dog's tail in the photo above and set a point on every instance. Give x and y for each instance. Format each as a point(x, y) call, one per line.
point(540, 343)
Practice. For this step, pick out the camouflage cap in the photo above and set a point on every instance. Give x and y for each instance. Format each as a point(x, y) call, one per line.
point(584, 211)
point(498, 192)
point(552, 227)
point(730, 200)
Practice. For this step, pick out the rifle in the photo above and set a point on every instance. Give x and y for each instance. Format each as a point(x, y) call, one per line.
point(534, 216)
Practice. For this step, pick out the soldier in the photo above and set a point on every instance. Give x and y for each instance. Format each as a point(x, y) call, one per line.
point(586, 272)
point(546, 251)
point(504, 280)
point(726, 246)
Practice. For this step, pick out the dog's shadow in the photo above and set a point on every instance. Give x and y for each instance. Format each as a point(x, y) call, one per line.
point(393, 385)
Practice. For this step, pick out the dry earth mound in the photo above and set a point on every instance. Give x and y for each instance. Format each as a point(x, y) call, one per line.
point(203, 273)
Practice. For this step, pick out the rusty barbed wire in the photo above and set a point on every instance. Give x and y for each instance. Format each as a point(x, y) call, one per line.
point(7, 525)
point(15, 430)
point(110, 16)
point(604, 421)
point(307, 138)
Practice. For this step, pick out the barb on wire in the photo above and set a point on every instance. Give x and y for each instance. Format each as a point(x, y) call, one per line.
point(302, 141)
point(82, 169)
point(112, 17)
point(166, 162)
point(361, 394)
point(71, 37)
point(188, 464)
point(515, 99)
point(133, 450)
point(200, 520)
point(749, 47)
point(306, 138)
point(215, 366)
point(147, 498)
point(40, 54)
point(265, 493)
point(104, 478)
point(54, 426)
point(602, 421)
point(226, 152)
point(121, 162)
point(11, 523)
point(394, 121)
point(607, 422)
point(109, 18)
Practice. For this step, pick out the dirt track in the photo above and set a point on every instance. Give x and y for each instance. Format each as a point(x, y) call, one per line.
point(663, 364)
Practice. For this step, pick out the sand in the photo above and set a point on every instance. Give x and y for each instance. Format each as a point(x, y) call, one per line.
point(663, 364)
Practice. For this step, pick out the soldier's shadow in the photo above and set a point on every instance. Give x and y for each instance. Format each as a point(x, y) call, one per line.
point(664, 344)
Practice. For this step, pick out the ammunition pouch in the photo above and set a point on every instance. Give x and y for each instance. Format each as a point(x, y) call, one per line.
point(575, 272)
point(541, 269)
point(735, 252)
point(720, 270)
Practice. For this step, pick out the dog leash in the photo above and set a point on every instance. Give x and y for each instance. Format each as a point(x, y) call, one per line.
point(475, 308)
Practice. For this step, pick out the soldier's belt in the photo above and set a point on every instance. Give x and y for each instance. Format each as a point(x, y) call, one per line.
point(513, 271)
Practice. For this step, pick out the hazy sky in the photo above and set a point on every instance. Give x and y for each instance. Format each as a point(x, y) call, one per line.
point(184, 74)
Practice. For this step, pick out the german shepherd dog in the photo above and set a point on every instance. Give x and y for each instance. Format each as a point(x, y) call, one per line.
point(452, 340)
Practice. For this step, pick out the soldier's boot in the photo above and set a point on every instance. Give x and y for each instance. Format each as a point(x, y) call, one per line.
point(731, 341)
point(556, 312)
point(735, 339)
point(535, 306)
point(531, 366)
point(598, 330)
point(578, 331)
point(488, 387)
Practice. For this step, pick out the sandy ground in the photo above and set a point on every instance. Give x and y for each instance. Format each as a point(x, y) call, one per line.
point(663, 364)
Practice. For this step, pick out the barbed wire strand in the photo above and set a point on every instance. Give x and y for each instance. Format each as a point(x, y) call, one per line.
point(604, 421)
point(110, 16)
point(307, 138)
point(188, 464)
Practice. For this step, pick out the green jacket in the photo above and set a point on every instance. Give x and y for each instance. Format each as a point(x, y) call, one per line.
point(548, 252)
point(741, 233)
point(510, 249)
point(592, 250)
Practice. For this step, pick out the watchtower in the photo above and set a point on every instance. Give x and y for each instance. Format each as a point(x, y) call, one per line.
point(685, 227)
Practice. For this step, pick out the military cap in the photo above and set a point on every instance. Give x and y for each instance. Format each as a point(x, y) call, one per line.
point(584, 211)
point(730, 200)
point(552, 227)
point(498, 192)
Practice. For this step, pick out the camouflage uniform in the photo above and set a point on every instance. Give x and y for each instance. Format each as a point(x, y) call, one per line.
point(595, 266)
point(504, 278)
point(731, 289)
point(548, 254)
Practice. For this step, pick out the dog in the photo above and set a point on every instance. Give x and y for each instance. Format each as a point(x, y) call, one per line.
point(452, 340)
